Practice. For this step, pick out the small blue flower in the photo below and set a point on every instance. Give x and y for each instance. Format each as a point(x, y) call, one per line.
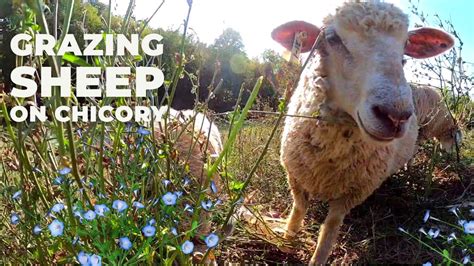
point(206, 204)
point(462, 222)
point(149, 230)
point(83, 258)
point(218, 202)
point(401, 229)
point(37, 230)
point(188, 208)
point(151, 222)
point(169, 198)
point(95, 260)
point(426, 264)
point(89, 215)
point(166, 182)
point(178, 194)
point(187, 181)
point(469, 227)
point(174, 231)
point(143, 132)
point(187, 247)
point(434, 233)
point(138, 205)
point(64, 171)
point(119, 205)
point(135, 192)
point(125, 243)
point(78, 214)
point(427, 216)
point(101, 196)
point(466, 259)
point(58, 180)
point(14, 218)
point(213, 187)
point(454, 210)
point(75, 240)
point(451, 237)
point(56, 228)
point(57, 207)
point(101, 209)
point(16, 195)
point(211, 240)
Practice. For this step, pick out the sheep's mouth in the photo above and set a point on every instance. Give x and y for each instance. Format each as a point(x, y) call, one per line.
point(373, 136)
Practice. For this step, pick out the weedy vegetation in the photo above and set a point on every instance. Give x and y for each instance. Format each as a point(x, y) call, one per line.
point(115, 193)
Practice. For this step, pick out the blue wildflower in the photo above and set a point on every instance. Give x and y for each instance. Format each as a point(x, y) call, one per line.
point(37, 230)
point(95, 260)
point(466, 259)
point(16, 195)
point(143, 132)
point(469, 227)
point(14, 218)
point(427, 216)
point(78, 214)
point(188, 208)
point(125, 243)
point(101, 209)
point(178, 194)
point(56, 228)
point(119, 205)
point(57, 207)
point(451, 237)
point(454, 210)
point(434, 233)
point(187, 181)
point(64, 171)
point(426, 264)
point(89, 215)
point(166, 182)
point(151, 222)
point(169, 198)
point(187, 247)
point(206, 204)
point(218, 202)
point(462, 222)
point(401, 229)
point(58, 180)
point(75, 240)
point(213, 187)
point(174, 231)
point(138, 205)
point(211, 240)
point(149, 230)
point(83, 258)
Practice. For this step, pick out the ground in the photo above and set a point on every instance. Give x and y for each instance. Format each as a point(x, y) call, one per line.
point(369, 233)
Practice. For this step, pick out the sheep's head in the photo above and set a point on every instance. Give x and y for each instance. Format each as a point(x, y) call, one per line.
point(362, 48)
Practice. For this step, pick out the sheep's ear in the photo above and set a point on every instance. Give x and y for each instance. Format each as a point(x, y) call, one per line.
point(285, 34)
point(427, 42)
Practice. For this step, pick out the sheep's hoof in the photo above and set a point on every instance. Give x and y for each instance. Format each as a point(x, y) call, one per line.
point(289, 235)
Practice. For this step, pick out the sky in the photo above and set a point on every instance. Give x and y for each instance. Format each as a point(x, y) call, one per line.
point(255, 19)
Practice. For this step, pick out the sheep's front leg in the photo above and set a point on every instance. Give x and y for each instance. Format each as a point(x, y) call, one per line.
point(298, 212)
point(329, 231)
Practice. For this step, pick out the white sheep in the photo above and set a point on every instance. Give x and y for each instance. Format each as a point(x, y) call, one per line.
point(434, 119)
point(195, 139)
point(359, 75)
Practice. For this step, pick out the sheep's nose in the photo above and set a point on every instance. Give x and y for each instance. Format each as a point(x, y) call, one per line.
point(393, 116)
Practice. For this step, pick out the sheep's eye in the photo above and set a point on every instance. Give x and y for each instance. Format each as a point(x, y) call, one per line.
point(332, 38)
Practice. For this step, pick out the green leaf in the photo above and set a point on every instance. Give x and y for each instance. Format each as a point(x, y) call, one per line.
point(236, 185)
point(75, 60)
